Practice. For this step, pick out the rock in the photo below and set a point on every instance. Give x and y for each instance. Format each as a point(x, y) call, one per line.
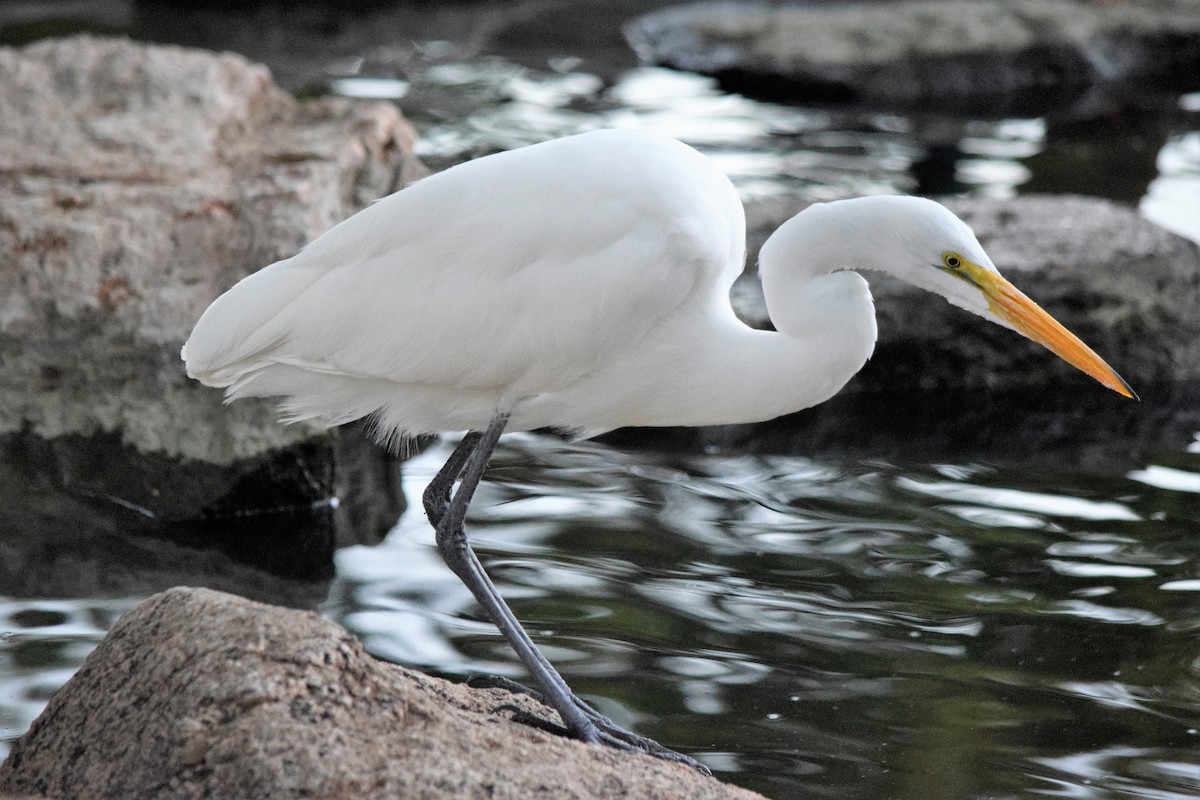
point(201, 694)
point(1003, 56)
point(136, 183)
point(1126, 285)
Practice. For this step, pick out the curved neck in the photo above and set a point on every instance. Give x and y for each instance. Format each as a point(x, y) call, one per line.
point(723, 372)
point(792, 262)
point(766, 374)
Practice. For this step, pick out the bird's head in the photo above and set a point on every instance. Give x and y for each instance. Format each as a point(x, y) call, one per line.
point(925, 244)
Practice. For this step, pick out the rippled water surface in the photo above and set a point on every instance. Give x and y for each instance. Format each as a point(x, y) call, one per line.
point(779, 154)
point(833, 629)
point(806, 628)
point(42, 643)
point(860, 629)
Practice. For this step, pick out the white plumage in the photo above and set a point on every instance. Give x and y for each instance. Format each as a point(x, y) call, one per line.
point(580, 283)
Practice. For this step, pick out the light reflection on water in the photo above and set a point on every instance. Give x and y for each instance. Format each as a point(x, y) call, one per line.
point(817, 629)
point(1173, 198)
point(784, 154)
point(770, 151)
point(808, 628)
point(42, 643)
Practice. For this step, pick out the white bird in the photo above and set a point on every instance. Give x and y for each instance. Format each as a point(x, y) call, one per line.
point(581, 284)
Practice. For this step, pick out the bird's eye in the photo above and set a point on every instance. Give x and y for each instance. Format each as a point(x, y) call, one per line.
point(952, 260)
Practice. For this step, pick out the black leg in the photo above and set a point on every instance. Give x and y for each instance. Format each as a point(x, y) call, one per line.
point(437, 495)
point(470, 460)
point(611, 733)
point(458, 555)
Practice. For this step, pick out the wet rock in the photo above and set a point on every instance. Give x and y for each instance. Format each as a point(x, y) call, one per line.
point(1004, 56)
point(201, 694)
point(136, 183)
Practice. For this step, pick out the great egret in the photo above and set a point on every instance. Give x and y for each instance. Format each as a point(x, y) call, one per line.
point(581, 284)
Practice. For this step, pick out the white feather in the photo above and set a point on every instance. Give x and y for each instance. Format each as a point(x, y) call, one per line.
point(581, 283)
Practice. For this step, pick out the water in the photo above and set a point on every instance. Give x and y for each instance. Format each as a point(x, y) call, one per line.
point(777, 154)
point(808, 627)
point(817, 628)
point(42, 643)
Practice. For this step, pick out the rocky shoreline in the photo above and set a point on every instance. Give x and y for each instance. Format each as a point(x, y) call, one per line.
point(138, 181)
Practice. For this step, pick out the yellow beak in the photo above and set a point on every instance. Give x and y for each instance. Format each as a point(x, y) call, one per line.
point(1011, 305)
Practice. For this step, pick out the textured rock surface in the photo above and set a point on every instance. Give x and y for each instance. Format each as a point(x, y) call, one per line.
point(136, 183)
point(1034, 53)
point(200, 694)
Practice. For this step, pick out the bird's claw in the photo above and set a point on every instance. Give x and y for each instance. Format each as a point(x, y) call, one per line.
point(605, 731)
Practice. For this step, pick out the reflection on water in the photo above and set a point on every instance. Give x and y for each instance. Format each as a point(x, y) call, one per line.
point(776, 153)
point(843, 629)
point(807, 628)
point(1173, 199)
point(42, 643)
point(770, 151)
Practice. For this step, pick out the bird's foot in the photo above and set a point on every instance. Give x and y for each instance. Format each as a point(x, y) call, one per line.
point(605, 730)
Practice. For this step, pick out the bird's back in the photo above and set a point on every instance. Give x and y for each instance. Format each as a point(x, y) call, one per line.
point(499, 279)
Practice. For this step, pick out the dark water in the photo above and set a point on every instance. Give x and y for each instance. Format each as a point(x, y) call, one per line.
point(1144, 153)
point(808, 628)
point(842, 627)
point(813, 628)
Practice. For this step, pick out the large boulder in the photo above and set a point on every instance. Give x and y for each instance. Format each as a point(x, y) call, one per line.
point(201, 694)
point(138, 182)
point(1027, 56)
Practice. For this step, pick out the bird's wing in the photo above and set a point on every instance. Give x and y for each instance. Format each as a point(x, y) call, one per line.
point(519, 272)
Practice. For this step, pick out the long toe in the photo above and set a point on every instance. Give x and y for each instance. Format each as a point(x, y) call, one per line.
point(602, 730)
point(616, 736)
